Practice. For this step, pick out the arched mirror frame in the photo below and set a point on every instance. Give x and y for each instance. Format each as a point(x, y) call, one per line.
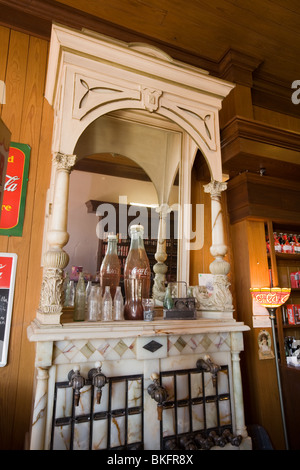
point(90, 75)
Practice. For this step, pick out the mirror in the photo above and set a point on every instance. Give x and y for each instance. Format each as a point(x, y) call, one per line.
point(103, 178)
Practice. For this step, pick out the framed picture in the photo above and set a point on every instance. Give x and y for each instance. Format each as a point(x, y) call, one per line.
point(8, 264)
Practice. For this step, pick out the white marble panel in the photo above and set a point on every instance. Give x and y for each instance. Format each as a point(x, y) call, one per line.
point(182, 386)
point(168, 422)
point(64, 402)
point(225, 414)
point(134, 393)
point(183, 419)
point(196, 385)
point(208, 384)
point(61, 438)
point(223, 384)
point(81, 436)
point(168, 383)
point(211, 415)
point(99, 434)
point(134, 428)
point(198, 417)
point(118, 395)
point(117, 433)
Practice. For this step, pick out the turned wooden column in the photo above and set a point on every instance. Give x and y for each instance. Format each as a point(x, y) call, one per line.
point(56, 259)
point(160, 268)
point(218, 248)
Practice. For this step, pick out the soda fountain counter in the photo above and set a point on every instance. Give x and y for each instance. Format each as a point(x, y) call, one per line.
point(195, 361)
point(135, 384)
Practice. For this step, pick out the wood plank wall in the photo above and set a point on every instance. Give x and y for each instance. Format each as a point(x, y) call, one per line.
point(23, 64)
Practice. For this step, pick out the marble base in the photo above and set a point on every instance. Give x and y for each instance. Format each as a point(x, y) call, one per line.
point(129, 348)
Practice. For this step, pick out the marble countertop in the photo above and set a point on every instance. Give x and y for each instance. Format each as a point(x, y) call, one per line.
point(117, 329)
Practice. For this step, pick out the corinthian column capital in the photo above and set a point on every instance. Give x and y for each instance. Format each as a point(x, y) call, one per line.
point(215, 188)
point(64, 162)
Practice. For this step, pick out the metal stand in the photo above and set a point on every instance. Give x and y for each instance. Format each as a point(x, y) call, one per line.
point(272, 315)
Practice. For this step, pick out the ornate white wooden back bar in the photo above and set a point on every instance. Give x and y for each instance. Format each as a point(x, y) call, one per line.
point(88, 77)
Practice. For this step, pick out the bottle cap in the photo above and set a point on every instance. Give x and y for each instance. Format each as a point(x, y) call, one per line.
point(137, 228)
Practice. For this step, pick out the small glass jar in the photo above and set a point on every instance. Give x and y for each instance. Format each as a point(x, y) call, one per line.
point(148, 307)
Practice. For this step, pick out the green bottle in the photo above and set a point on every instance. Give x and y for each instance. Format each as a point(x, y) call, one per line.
point(168, 301)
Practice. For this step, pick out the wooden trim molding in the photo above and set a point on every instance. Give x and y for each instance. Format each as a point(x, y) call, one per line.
point(253, 196)
point(252, 146)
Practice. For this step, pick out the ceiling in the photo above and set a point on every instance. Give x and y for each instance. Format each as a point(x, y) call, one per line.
point(265, 29)
point(198, 31)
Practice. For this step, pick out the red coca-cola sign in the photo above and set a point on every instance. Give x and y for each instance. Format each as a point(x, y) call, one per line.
point(13, 205)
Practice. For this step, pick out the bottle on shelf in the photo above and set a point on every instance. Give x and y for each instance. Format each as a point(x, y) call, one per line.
point(168, 300)
point(136, 275)
point(118, 307)
point(93, 305)
point(99, 299)
point(277, 244)
point(286, 246)
point(107, 305)
point(110, 268)
point(296, 244)
point(66, 290)
point(79, 304)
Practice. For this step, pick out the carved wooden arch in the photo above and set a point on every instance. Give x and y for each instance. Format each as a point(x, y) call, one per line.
point(90, 76)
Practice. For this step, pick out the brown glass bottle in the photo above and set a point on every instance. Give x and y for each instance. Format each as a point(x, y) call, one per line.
point(136, 275)
point(110, 268)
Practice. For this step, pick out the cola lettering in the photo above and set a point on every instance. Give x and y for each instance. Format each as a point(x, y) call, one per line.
point(11, 184)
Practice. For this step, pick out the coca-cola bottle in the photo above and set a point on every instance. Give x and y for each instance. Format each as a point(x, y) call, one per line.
point(277, 245)
point(286, 247)
point(296, 244)
point(110, 268)
point(136, 275)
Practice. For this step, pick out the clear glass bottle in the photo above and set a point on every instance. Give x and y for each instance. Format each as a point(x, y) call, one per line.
point(136, 275)
point(66, 290)
point(99, 298)
point(107, 305)
point(110, 270)
point(118, 305)
point(79, 304)
point(72, 294)
point(93, 305)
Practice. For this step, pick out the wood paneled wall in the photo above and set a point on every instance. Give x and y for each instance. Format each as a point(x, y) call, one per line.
point(23, 64)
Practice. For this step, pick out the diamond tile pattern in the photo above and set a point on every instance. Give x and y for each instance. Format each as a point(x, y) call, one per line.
point(125, 348)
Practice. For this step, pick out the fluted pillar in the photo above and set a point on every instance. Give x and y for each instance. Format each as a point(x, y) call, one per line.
point(160, 268)
point(56, 259)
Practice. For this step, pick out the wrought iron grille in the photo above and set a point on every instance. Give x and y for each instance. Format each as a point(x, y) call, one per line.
point(197, 410)
point(116, 423)
point(197, 406)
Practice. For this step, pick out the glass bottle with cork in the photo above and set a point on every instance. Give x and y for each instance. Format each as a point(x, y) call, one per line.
point(136, 275)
